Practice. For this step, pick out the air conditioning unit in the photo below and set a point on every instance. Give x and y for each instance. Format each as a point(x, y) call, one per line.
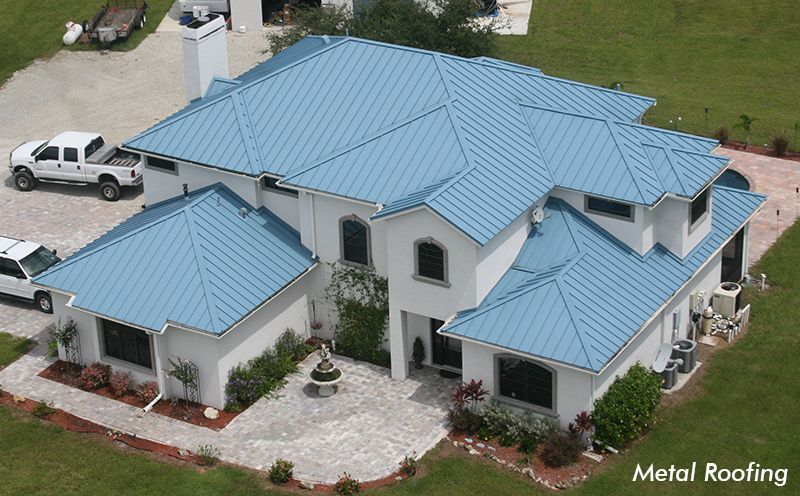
point(727, 299)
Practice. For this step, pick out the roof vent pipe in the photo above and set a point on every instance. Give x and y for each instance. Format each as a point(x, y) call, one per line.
point(243, 212)
point(325, 39)
point(185, 191)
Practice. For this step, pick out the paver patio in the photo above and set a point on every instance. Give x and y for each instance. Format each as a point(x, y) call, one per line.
point(365, 429)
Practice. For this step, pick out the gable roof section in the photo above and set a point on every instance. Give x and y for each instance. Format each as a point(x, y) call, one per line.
point(192, 262)
point(576, 295)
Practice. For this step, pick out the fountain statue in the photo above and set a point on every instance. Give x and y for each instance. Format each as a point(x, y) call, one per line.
point(325, 375)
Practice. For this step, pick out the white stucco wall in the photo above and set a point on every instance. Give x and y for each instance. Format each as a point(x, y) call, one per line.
point(160, 185)
point(285, 206)
point(671, 220)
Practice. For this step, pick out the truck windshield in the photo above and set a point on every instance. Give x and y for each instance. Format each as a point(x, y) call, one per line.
point(39, 148)
point(93, 146)
point(38, 261)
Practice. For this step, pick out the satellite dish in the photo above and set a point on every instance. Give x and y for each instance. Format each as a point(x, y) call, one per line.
point(537, 215)
point(661, 357)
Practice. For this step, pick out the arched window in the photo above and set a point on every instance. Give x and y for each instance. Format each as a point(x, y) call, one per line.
point(430, 259)
point(355, 240)
point(526, 381)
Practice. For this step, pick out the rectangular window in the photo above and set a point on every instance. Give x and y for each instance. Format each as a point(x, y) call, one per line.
point(526, 381)
point(270, 183)
point(70, 154)
point(161, 164)
point(93, 146)
point(49, 153)
point(699, 207)
point(126, 343)
point(608, 207)
point(10, 268)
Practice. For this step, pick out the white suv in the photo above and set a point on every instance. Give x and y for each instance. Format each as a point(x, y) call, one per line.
point(20, 261)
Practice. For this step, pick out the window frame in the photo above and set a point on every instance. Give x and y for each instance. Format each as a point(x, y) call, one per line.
point(342, 260)
point(586, 208)
point(58, 153)
point(707, 196)
point(552, 412)
point(64, 154)
point(161, 168)
point(102, 323)
point(19, 267)
point(445, 261)
point(268, 184)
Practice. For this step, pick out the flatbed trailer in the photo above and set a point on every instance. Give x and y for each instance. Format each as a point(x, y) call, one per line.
point(116, 21)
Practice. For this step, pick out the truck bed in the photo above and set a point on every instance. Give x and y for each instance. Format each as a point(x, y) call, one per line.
point(118, 16)
point(110, 154)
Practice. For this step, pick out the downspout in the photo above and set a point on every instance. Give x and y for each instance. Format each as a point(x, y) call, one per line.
point(159, 376)
point(313, 228)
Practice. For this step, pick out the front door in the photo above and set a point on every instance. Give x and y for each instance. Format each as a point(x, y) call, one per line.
point(446, 350)
point(48, 162)
point(732, 261)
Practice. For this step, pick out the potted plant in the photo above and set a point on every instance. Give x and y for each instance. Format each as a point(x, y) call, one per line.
point(418, 354)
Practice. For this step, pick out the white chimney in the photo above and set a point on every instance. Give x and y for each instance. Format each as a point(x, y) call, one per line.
point(205, 53)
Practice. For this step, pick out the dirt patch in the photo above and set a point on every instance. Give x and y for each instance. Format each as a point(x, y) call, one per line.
point(761, 150)
point(64, 373)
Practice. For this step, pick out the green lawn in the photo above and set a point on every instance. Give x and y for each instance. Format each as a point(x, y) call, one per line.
point(732, 56)
point(746, 413)
point(31, 30)
point(11, 347)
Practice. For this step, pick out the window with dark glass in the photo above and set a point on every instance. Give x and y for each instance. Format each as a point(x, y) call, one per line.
point(271, 183)
point(126, 343)
point(526, 381)
point(608, 207)
point(355, 241)
point(10, 268)
point(430, 261)
point(699, 207)
point(160, 163)
point(70, 154)
point(49, 153)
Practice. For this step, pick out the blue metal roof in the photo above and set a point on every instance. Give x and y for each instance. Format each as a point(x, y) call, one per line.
point(387, 124)
point(193, 262)
point(576, 295)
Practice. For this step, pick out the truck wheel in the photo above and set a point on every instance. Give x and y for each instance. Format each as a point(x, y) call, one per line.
point(24, 181)
point(110, 191)
point(44, 303)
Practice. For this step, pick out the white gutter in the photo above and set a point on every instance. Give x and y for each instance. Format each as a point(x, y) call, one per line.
point(313, 227)
point(159, 375)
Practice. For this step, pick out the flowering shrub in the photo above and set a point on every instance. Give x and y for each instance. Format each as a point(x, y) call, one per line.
point(94, 376)
point(409, 465)
point(347, 485)
point(120, 383)
point(512, 428)
point(628, 407)
point(208, 453)
point(147, 391)
point(281, 471)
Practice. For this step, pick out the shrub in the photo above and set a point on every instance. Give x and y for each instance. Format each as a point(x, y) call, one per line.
point(147, 391)
point(560, 448)
point(347, 485)
point(466, 398)
point(52, 348)
point(409, 465)
point(628, 407)
point(780, 143)
point(209, 454)
point(504, 423)
point(722, 134)
point(43, 409)
point(418, 354)
point(94, 376)
point(528, 444)
point(292, 345)
point(281, 471)
point(120, 383)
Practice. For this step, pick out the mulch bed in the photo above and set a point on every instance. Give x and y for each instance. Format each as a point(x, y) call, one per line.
point(59, 372)
point(510, 457)
point(761, 150)
point(76, 424)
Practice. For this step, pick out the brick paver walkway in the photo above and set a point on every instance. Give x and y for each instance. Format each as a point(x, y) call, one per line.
point(777, 178)
point(366, 428)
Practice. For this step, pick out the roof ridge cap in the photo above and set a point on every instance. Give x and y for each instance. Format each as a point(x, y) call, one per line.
point(625, 161)
point(198, 250)
point(576, 323)
point(667, 153)
point(242, 112)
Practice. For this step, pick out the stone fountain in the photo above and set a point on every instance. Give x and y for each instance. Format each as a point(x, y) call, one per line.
point(325, 375)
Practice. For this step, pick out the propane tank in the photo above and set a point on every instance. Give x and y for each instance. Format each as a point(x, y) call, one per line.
point(74, 31)
point(707, 320)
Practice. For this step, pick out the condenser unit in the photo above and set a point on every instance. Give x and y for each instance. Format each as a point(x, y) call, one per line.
point(727, 299)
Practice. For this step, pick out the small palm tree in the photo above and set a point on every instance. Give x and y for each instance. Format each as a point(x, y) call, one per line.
point(746, 124)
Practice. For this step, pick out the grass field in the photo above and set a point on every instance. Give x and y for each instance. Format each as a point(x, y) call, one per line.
point(31, 30)
point(12, 347)
point(745, 413)
point(731, 56)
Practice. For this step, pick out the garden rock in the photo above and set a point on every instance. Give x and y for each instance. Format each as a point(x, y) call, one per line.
point(528, 472)
point(306, 485)
point(211, 413)
point(19, 399)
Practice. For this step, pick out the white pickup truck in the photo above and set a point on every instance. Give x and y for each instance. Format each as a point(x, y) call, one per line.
point(76, 158)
